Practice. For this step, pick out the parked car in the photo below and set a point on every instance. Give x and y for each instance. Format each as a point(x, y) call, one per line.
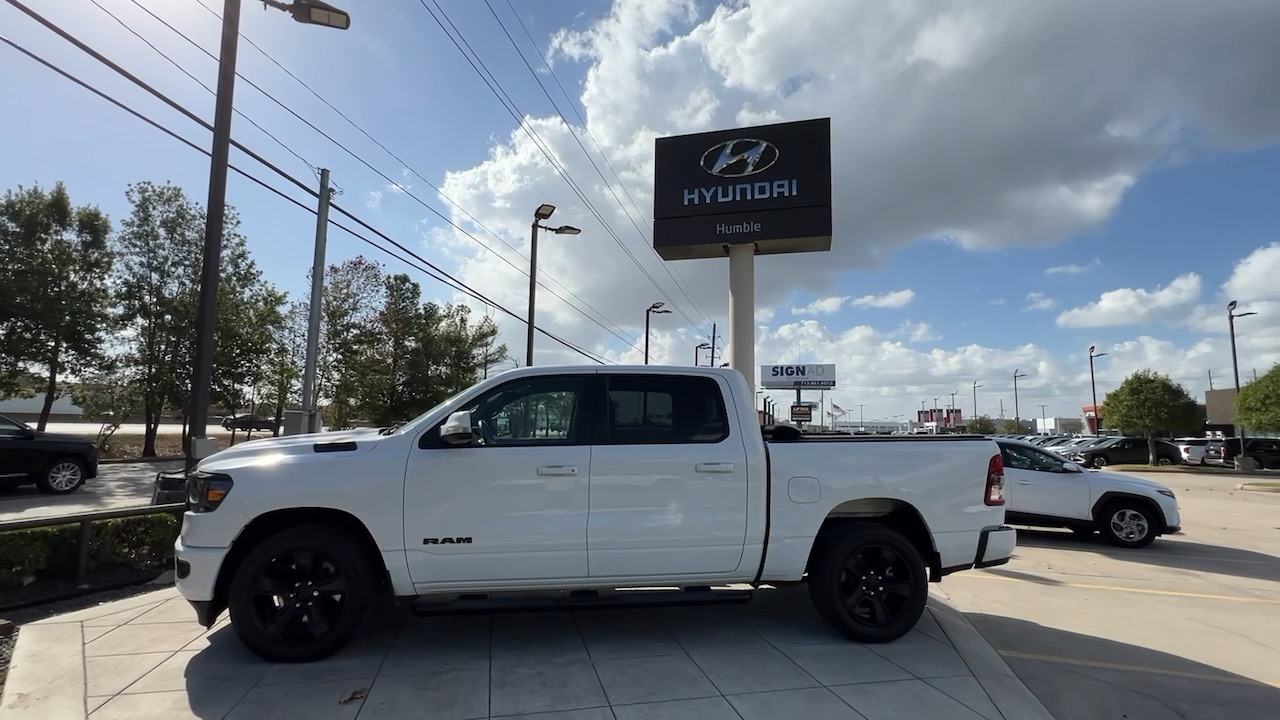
point(663, 478)
point(249, 422)
point(57, 464)
point(1264, 451)
point(1213, 453)
point(1193, 450)
point(1126, 451)
point(1046, 489)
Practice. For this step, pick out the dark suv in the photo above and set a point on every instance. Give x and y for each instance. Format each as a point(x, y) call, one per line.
point(249, 422)
point(57, 464)
point(1264, 451)
point(1126, 451)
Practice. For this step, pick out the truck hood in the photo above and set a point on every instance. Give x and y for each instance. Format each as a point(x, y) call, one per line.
point(1115, 479)
point(255, 452)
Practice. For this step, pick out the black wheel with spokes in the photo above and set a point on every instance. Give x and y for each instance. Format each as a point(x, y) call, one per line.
point(870, 584)
point(301, 594)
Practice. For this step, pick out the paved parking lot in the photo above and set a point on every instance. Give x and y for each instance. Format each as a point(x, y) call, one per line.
point(1186, 628)
point(145, 657)
point(117, 485)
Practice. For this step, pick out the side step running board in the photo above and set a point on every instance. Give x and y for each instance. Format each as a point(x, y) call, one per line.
point(576, 600)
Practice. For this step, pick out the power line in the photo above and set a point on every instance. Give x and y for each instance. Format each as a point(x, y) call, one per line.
point(616, 331)
point(495, 87)
point(435, 271)
point(555, 106)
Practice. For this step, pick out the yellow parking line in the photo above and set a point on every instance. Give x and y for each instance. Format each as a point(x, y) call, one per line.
point(1146, 591)
point(1134, 668)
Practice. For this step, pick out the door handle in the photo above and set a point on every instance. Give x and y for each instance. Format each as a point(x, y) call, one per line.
point(714, 467)
point(1024, 482)
point(558, 470)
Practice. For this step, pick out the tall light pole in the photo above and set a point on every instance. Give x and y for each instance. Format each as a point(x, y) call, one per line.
point(1044, 421)
point(1017, 417)
point(1093, 388)
point(975, 398)
point(311, 12)
point(1235, 364)
point(861, 421)
point(654, 309)
point(697, 353)
point(543, 212)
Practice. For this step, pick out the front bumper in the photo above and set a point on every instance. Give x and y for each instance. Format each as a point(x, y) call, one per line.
point(197, 576)
point(995, 546)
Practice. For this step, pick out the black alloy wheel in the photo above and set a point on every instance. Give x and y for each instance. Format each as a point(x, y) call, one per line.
point(302, 594)
point(871, 585)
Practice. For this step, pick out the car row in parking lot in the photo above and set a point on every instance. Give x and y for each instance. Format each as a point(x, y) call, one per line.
point(1102, 450)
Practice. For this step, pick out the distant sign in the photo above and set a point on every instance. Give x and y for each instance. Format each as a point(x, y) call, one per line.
point(790, 377)
point(801, 413)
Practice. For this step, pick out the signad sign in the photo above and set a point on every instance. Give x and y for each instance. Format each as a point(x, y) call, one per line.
point(790, 377)
point(801, 413)
point(769, 185)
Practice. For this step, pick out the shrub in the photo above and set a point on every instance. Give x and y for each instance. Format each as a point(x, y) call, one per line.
point(50, 552)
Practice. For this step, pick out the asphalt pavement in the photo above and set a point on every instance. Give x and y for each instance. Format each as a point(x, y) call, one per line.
point(118, 485)
point(1188, 627)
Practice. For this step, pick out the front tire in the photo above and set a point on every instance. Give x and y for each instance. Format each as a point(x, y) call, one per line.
point(1099, 462)
point(300, 595)
point(870, 584)
point(64, 475)
point(1128, 524)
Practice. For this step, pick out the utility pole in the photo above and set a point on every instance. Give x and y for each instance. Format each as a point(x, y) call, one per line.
point(309, 401)
point(713, 345)
point(975, 398)
point(862, 424)
point(1210, 379)
point(1044, 422)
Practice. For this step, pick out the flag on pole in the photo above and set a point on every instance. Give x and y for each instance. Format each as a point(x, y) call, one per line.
point(837, 408)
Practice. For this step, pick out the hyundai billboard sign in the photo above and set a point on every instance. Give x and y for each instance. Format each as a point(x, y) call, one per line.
point(791, 377)
point(769, 185)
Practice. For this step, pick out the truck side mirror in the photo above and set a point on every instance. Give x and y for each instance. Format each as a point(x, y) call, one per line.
point(457, 429)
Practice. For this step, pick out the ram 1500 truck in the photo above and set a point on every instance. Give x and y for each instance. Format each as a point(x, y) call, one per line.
point(576, 482)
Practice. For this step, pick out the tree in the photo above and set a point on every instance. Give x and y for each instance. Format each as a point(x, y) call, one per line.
point(1150, 404)
point(109, 397)
point(1072, 426)
point(288, 358)
point(353, 295)
point(1010, 426)
point(982, 425)
point(56, 288)
point(1258, 405)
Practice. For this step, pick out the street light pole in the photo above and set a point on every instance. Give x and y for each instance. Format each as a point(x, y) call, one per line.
point(1235, 363)
point(1017, 416)
point(1044, 421)
point(543, 212)
point(975, 398)
point(1093, 387)
point(654, 309)
point(697, 353)
point(305, 11)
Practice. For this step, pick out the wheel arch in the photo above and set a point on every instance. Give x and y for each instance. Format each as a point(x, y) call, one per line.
point(1112, 495)
point(890, 512)
point(275, 521)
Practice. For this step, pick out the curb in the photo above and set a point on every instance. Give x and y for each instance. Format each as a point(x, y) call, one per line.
point(1008, 693)
point(1259, 487)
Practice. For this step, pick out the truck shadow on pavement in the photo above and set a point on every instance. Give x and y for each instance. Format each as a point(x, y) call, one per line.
point(1081, 677)
point(1175, 553)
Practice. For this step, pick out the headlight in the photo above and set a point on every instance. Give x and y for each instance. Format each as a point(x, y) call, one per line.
point(1168, 494)
point(206, 491)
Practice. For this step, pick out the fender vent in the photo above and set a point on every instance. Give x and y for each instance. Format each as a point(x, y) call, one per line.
point(348, 446)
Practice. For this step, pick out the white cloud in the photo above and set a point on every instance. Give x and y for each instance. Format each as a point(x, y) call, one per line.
point(1256, 278)
point(893, 299)
point(374, 202)
point(1039, 301)
point(920, 92)
point(996, 301)
point(1073, 268)
point(821, 306)
point(1136, 306)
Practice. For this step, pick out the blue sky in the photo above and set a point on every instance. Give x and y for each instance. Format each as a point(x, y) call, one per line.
point(1131, 159)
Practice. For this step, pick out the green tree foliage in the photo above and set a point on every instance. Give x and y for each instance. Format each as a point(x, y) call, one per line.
point(1258, 405)
point(56, 296)
point(108, 396)
point(283, 377)
point(353, 295)
point(1011, 426)
point(1072, 426)
point(1149, 404)
point(982, 425)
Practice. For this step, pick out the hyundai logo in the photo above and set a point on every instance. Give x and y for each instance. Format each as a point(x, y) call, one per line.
point(739, 158)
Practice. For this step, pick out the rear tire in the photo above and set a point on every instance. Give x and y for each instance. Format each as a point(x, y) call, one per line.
point(64, 475)
point(871, 584)
point(1099, 462)
point(302, 594)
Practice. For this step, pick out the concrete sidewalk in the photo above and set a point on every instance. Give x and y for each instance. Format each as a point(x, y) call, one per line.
point(145, 657)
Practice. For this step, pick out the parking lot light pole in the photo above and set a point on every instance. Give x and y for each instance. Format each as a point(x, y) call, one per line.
point(697, 353)
point(311, 12)
point(654, 309)
point(1235, 363)
point(1093, 388)
point(543, 212)
point(1017, 417)
point(975, 398)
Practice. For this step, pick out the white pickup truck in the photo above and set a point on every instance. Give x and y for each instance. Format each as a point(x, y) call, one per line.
point(579, 483)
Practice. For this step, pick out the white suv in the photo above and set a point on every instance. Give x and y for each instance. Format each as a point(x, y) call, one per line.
point(1193, 450)
point(1045, 489)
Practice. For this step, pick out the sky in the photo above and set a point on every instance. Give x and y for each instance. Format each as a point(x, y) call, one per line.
point(1013, 182)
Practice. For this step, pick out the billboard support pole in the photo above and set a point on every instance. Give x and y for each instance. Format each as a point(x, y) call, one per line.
point(742, 310)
